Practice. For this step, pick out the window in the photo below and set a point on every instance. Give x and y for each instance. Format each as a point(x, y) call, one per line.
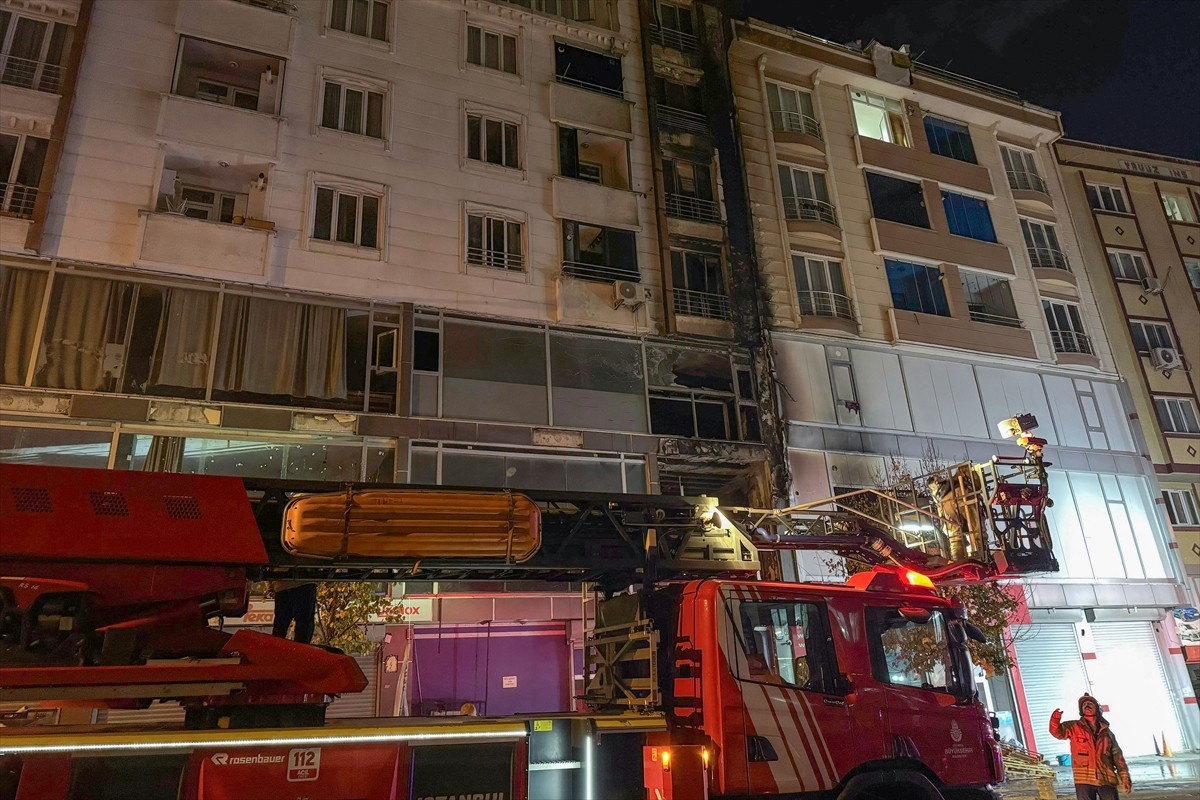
point(367, 18)
point(598, 383)
point(228, 76)
point(676, 18)
point(1178, 207)
point(577, 10)
point(33, 52)
point(1127, 266)
point(1149, 335)
point(493, 141)
point(916, 287)
point(593, 252)
point(1066, 328)
point(494, 372)
point(698, 284)
point(1041, 242)
point(683, 96)
point(21, 160)
point(950, 139)
point(588, 70)
point(352, 110)
point(1021, 169)
point(1103, 197)
point(691, 393)
point(496, 51)
point(346, 217)
point(1192, 267)
point(494, 242)
point(879, 118)
point(786, 643)
point(805, 194)
point(792, 110)
point(895, 634)
point(1177, 414)
point(989, 299)
point(593, 157)
point(968, 216)
point(1181, 506)
point(689, 190)
point(819, 287)
point(210, 204)
point(897, 200)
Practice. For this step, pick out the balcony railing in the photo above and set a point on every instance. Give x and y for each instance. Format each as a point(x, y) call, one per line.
point(1072, 342)
point(600, 272)
point(17, 200)
point(676, 40)
point(795, 122)
point(591, 87)
point(1048, 258)
point(683, 120)
point(981, 314)
point(496, 259)
point(701, 304)
point(697, 208)
point(1031, 181)
point(825, 304)
point(804, 208)
point(278, 6)
point(41, 76)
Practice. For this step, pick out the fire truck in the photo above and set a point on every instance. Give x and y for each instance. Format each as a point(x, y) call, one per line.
point(701, 679)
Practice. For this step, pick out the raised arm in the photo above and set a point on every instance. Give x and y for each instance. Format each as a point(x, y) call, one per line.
point(1058, 728)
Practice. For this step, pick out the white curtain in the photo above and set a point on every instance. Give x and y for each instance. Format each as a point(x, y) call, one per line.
point(181, 356)
point(20, 303)
point(84, 319)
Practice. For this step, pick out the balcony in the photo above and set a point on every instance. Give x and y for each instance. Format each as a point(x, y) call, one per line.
point(982, 314)
point(1029, 190)
point(807, 217)
point(825, 311)
point(683, 121)
point(573, 102)
point(692, 303)
point(1048, 258)
point(1072, 342)
point(40, 76)
point(219, 127)
point(697, 209)
point(208, 247)
point(578, 199)
point(675, 40)
point(17, 200)
point(793, 131)
point(606, 273)
point(264, 26)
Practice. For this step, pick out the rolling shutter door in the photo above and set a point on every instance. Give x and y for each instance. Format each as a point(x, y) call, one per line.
point(1053, 676)
point(1130, 680)
point(361, 705)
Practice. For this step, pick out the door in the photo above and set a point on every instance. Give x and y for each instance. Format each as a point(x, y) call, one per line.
point(1140, 710)
point(1053, 676)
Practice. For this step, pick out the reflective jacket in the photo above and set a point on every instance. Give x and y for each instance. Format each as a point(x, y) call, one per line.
point(1096, 758)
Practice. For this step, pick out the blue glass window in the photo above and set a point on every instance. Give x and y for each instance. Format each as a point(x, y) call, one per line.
point(916, 287)
point(950, 139)
point(968, 216)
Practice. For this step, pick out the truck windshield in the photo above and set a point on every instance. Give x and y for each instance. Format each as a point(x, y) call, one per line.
point(908, 652)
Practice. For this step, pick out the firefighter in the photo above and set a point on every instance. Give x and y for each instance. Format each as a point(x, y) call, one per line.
point(295, 600)
point(1097, 763)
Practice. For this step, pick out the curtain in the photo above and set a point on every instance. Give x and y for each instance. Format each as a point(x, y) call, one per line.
point(281, 348)
point(181, 356)
point(85, 318)
point(20, 303)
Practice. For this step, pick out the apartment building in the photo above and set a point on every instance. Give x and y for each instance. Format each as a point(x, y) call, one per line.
point(926, 281)
point(371, 240)
point(1138, 216)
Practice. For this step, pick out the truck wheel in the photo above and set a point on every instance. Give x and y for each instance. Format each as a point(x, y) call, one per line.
point(902, 785)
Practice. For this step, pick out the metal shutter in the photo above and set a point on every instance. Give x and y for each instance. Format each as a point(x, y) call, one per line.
point(1129, 679)
point(1053, 676)
point(362, 704)
point(169, 713)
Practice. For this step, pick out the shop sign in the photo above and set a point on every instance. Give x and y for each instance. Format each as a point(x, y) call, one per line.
point(260, 612)
point(438, 773)
point(410, 609)
point(1155, 169)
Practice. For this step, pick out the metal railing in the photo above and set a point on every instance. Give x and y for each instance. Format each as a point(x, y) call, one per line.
point(574, 10)
point(497, 259)
point(40, 76)
point(701, 304)
point(805, 208)
point(686, 207)
point(676, 40)
point(824, 304)
point(795, 122)
point(17, 200)
point(683, 120)
point(600, 272)
point(1021, 179)
point(1072, 342)
point(1048, 257)
point(278, 6)
point(591, 87)
point(982, 315)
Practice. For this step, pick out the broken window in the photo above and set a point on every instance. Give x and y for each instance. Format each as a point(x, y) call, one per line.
point(427, 365)
point(691, 393)
point(593, 157)
point(588, 69)
point(598, 383)
point(680, 96)
point(373, 359)
point(495, 373)
point(228, 75)
point(593, 252)
point(897, 200)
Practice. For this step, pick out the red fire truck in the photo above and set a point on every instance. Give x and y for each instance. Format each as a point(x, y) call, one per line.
point(704, 683)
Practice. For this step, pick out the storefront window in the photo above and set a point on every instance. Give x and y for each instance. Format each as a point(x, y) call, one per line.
point(55, 447)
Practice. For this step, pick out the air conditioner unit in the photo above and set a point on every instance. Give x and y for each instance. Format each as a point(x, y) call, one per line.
point(627, 294)
point(1166, 358)
point(1152, 286)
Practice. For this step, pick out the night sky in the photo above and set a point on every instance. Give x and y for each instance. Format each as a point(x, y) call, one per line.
point(1124, 73)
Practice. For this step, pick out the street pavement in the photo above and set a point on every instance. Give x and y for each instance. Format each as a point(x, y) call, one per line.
point(1154, 778)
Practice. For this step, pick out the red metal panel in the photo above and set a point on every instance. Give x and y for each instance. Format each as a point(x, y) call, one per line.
point(58, 513)
point(283, 773)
